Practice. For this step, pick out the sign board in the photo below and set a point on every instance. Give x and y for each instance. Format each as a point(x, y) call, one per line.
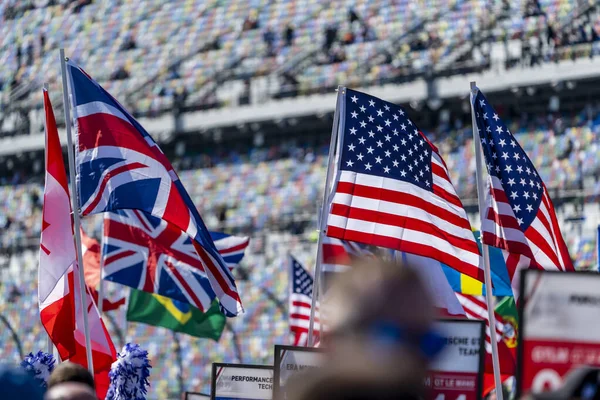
point(457, 372)
point(195, 396)
point(291, 360)
point(241, 381)
point(560, 323)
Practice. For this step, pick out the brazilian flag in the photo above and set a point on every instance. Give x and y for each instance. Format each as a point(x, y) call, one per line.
point(153, 309)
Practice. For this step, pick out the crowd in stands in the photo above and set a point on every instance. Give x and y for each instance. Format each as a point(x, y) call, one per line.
point(158, 56)
point(279, 188)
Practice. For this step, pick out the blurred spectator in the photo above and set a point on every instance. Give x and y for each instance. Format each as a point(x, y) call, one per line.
point(15, 383)
point(353, 17)
point(71, 391)
point(251, 22)
point(289, 34)
point(129, 43)
point(70, 372)
point(380, 317)
point(269, 39)
point(330, 37)
point(120, 74)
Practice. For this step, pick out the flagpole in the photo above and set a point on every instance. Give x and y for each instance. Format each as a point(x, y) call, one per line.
point(323, 218)
point(75, 206)
point(101, 283)
point(486, 251)
point(49, 344)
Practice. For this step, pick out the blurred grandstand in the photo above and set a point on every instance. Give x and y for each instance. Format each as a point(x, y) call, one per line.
point(240, 96)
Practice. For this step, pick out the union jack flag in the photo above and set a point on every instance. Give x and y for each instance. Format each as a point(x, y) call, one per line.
point(119, 166)
point(149, 254)
point(520, 217)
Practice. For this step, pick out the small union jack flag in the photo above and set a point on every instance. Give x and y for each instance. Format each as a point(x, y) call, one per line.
point(147, 253)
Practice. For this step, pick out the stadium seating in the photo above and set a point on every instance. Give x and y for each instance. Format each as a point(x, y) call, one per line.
point(147, 52)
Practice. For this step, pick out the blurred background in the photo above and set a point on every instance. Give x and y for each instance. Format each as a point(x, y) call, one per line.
point(241, 94)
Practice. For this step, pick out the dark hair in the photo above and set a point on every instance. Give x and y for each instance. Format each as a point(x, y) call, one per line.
point(70, 372)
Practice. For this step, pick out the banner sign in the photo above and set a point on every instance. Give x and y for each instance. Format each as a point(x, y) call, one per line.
point(560, 324)
point(241, 382)
point(457, 373)
point(291, 360)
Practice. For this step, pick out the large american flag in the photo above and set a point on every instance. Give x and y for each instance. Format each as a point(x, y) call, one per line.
point(149, 254)
point(520, 217)
point(119, 166)
point(392, 188)
point(301, 292)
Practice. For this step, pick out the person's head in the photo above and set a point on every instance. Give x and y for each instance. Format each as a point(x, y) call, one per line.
point(379, 336)
point(70, 372)
point(16, 383)
point(71, 391)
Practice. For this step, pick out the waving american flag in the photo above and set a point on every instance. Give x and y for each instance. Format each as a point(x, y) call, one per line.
point(119, 166)
point(393, 190)
point(301, 292)
point(520, 217)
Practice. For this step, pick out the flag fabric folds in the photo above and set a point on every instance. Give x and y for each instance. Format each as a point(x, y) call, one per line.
point(520, 217)
point(230, 247)
point(476, 308)
point(153, 309)
point(337, 254)
point(464, 284)
point(300, 303)
point(119, 166)
point(59, 291)
point(57, 249)
point(149, 254)
point(90, 250)
point(392, 189)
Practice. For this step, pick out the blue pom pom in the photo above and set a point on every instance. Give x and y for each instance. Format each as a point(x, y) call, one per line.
point(39, 366)
point(129, 374)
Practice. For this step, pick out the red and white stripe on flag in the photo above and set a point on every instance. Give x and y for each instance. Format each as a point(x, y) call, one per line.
point(392, 189)
point(300, 303)
point(476, 308)
point(519, 218)
point(58, 288)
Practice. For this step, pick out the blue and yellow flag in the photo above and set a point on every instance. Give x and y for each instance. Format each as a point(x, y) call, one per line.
point(500, 280)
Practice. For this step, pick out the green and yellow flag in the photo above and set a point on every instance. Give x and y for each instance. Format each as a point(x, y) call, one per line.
point(153, 309)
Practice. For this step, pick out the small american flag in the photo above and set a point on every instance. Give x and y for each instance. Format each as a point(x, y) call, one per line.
point(520, 217)
point(301, 291)
point(392, 188)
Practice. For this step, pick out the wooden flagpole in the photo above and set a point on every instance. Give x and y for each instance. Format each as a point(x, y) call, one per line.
point(75, 207)
point(486, 252)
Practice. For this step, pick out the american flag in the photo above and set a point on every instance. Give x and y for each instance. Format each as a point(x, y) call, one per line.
point(119, 166)
point(392, 188)
point(520, 217)
point(301, 291)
